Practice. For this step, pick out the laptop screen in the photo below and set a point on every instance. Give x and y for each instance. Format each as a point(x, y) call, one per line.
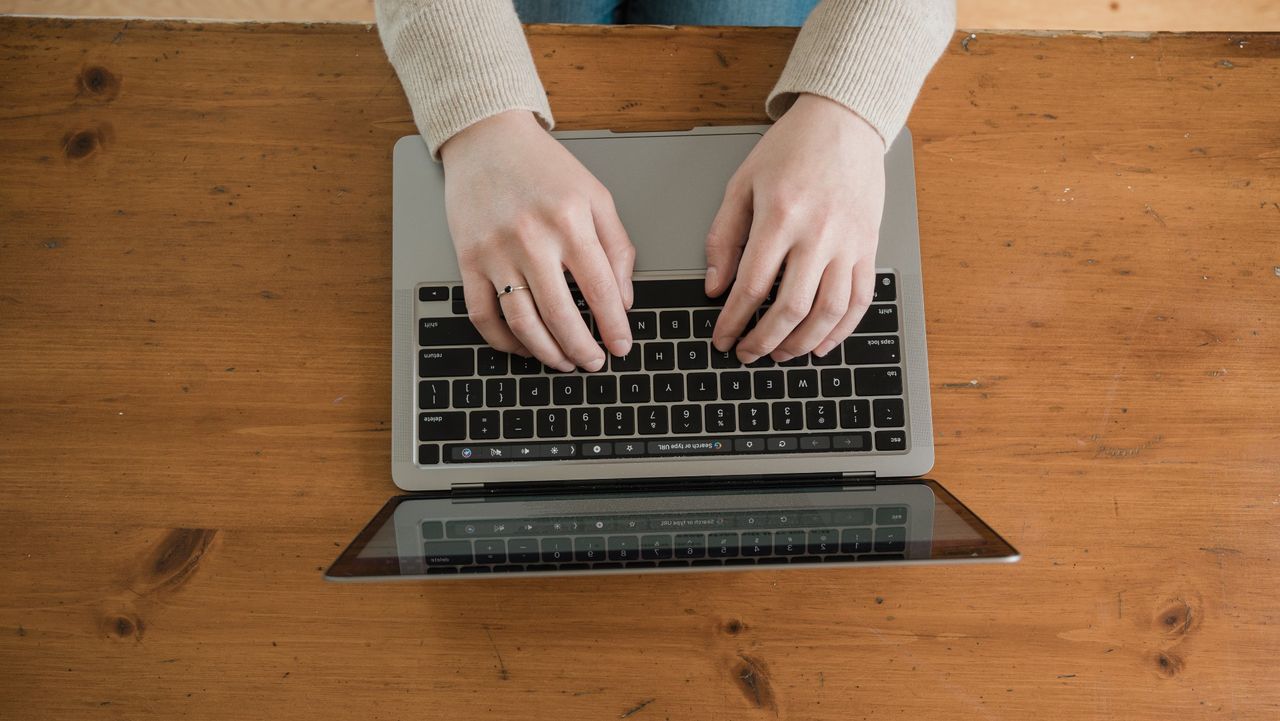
point(636, 531)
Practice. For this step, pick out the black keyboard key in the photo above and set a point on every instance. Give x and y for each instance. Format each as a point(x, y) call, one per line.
point(490, 362)
point(447, 331)
point(446, 426)
point(447, 553)
point(851, 442)
point(644, 325)
point(491, 550)
point(820, 415)
point(602, 389)
point(468, 393)
point(566, 390)
point(485, 425)
point(458, 300)
point(682, 293)
point(753, 417)
point(836, 383)
point(433, 394)
point(441, 570)
point(824, 541)
point(619, 421)
point(428, 293)
point(686, 419)
point(522, 550)
point(891, 441)
point(588, 549)
point(446, 362)
point(735, 386)
point(584, 422)
point(768, 384)
point(855, 414)
point(787, 416)
point(722, 545)
point(886, 288)
point(517, 423)
point(629, 362)
point(522, 366)
point(535, 391)
point(700, 386)
point(553, 422)
point(879, 319)
point(878, 381)
point(872, 350)
point(623, 548)
point(428, 454)
point(652, 420)
point(704, 322)
point(855, 540)
point(796, 362)
point(719, 418)
point(690, 545)
point(891, 516)
point(781, 444)
point(557, 550)
point(634, 388)
point(833, 357)
point(888, 412)
point(802, 384)
point(763, 361)
point(757, 543)
point(692, 355)
point(659, 356)
point(789, 543)
point(668, 388)
point(852, 516)
point(706, 562)
point(673, 324)
point(655, 547)
point(725, 359)
point(500, 392)
point(890, 540)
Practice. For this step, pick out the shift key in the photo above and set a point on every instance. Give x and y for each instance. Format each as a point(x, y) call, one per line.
point(448, 331)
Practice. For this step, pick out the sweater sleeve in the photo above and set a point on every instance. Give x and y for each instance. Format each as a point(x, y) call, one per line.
point(871, 56)
point(460, 61)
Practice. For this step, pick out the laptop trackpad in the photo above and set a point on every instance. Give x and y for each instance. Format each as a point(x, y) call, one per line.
point(667, 189)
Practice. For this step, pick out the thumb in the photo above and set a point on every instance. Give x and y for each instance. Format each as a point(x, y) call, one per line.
point(726, 238)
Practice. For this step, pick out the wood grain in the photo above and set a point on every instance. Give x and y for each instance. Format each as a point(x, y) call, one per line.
point(194, 380)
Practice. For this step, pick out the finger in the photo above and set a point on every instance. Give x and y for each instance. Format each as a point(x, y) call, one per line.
point(617, 247)
point(561, 315)
point(864, 286)
point(483, 312)
point(599, 287)
point(756, 272)
point(795, 298)
point(728, 234)
point(525, 323)
point(829, 307)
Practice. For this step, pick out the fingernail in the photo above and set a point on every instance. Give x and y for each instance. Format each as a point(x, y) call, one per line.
point(782, 357)
point(594, 364)
point(822, 350)
point(723, 343)
point(619, 347)
point(748, 357)
point(565, 367)
point(711, 278)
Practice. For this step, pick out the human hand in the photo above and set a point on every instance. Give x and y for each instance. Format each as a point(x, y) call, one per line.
point(806, 201)
point(521, 211)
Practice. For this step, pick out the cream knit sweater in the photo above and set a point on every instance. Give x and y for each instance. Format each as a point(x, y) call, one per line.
point(461, 61)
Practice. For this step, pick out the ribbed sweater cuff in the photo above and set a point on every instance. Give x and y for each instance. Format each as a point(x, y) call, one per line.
point(460, 61)
point(871, 56)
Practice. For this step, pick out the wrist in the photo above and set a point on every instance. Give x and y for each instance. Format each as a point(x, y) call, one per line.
point(829, 111)
point(487, 130)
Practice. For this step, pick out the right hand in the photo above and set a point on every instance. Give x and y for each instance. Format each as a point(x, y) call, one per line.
point(522, 210)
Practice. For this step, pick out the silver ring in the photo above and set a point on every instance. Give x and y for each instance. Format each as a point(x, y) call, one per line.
point(511, 289)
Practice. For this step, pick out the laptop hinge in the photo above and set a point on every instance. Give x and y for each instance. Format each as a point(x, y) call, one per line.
point(464, 491)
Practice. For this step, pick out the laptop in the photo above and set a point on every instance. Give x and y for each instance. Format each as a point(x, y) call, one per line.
point(675, 458)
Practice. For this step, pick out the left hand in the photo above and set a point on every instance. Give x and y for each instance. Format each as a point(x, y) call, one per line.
point(806, 201)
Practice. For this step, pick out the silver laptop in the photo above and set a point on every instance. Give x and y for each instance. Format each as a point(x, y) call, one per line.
point(675, 458)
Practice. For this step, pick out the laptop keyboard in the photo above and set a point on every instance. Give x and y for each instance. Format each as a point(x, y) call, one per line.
point(580, 543)
point(673, 395)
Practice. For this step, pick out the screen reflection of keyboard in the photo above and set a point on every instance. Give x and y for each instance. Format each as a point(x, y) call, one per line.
point(674, 394)
point(582, 543)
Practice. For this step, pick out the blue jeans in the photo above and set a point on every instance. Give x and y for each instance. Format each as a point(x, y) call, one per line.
point(751, 13)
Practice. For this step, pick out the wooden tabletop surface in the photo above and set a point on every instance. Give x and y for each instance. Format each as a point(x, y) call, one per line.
point(195, 379)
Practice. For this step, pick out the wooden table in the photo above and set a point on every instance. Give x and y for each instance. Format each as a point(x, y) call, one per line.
point(194, 381)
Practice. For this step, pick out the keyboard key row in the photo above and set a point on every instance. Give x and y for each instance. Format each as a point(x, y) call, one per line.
point(721, 521)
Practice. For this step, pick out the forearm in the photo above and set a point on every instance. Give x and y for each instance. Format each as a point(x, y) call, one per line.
point(460, 61)
point(871, 56)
